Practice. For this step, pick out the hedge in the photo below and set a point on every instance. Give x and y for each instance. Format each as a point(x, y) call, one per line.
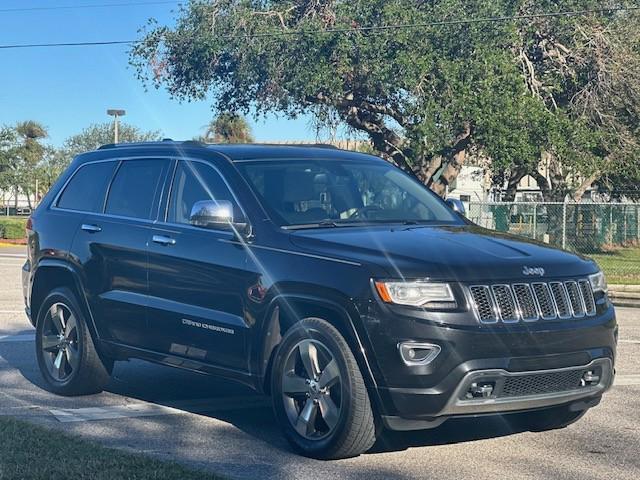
point(12, 228)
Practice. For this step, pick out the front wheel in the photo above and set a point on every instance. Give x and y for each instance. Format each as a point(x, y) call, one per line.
point(318, 393)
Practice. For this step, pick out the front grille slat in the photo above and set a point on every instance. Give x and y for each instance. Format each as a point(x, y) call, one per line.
point(587, 297)
point(561, 299)
point(484, 304)
point(530, 302)
point(526, 302)
point(545, 301)
point(575, 298)
point(505, 303)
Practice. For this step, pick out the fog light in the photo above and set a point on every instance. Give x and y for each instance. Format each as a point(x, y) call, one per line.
point(481, 390)
point(418, 353)
point(590, 378)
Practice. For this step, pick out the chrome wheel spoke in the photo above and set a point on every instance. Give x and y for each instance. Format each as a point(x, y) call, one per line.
point(329, 411)
point(309, 356)
point(50, 342)
point(72, 356)
point(58, 365)
point(70, 327)
point(293, 385)
point(306, 420)
point(330, 375)
point(57, 318)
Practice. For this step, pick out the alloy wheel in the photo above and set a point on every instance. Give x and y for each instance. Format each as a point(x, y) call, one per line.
point(312, 389)
point(60, 342)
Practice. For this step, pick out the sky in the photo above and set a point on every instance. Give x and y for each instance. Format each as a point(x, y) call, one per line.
point(69, 88)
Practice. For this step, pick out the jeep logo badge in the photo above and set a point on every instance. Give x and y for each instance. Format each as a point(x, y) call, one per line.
point(539, 271)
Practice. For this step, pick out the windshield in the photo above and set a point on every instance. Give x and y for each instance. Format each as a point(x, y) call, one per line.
point(337, 192)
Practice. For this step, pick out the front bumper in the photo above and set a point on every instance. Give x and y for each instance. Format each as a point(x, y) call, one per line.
point(503, 355)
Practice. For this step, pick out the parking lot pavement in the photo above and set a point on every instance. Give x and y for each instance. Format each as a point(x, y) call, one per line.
point(216, 425)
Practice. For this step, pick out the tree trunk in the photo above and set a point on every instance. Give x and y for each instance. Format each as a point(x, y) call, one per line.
point(454, 165)
point(584, 186)
point(512, 184)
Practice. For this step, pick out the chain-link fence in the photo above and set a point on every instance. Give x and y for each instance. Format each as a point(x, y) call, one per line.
point(608, 232)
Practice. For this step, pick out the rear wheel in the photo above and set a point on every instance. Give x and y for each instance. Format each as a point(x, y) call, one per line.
point(319, 395)
point(548, 419)
point(66, 354)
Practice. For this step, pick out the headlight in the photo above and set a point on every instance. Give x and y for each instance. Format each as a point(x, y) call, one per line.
point(598, 282)
point(417, 294)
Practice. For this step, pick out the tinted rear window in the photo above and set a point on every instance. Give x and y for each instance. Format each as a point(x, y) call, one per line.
point(135, 188)
point(87, 188)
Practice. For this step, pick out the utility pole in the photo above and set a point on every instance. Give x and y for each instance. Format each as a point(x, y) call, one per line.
point(115, 113)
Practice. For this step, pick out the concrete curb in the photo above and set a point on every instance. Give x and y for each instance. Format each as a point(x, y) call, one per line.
point(625, 295)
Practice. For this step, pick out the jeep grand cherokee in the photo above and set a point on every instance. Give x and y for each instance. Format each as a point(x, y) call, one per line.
point(330, 280)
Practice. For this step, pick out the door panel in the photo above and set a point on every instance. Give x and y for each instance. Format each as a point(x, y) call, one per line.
point(198, 281)
point(115, 266)
point(197, 291)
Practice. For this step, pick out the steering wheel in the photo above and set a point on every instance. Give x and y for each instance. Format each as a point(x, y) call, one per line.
point(364, 211)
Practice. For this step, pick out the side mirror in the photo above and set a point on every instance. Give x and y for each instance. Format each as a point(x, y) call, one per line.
point(216, 214)
point(457, 206)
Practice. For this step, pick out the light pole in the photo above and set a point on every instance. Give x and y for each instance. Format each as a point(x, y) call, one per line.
point(115, 114)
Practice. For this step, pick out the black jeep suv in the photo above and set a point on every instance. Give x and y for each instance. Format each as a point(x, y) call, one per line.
point(330, 280)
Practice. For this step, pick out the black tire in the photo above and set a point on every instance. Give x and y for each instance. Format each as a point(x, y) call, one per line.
point(82, 372)
point(548, 419)
point(353, 431)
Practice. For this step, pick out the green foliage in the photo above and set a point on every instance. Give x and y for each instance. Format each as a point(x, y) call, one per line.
point(12, 228)
point(228, 128)
point(99, 134)
point(515, 92)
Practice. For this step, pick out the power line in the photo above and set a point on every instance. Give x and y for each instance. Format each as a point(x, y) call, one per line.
point(96, 5)
point(383, 28)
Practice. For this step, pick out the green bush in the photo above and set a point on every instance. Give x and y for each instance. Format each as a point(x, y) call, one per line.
point(12, 228)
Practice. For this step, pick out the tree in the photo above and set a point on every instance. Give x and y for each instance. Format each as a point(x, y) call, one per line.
point(419, 94)
point(518, 92)
point(228, 128)
point(585, 72)
point(21, 150)
point(99, 134)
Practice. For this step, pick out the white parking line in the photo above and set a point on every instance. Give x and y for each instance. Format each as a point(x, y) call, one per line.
point(636, 342)
point(13, 255)
point(26, 337)
point(145, 409)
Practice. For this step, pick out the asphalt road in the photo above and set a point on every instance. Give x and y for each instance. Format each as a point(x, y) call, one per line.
point(214, 425)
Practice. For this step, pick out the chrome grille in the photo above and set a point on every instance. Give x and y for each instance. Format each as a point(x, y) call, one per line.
point(506, 303)
point(526, 302)
point(575, 298)
point(529, 302)
point(483, 303)
point(587, 296)
point(561, 298)
point(546, 307)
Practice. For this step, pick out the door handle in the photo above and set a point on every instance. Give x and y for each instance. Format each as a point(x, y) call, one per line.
point(163, 240)
point(90, 228)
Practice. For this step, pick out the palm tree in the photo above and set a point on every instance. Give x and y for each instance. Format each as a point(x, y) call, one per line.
point(228, 128)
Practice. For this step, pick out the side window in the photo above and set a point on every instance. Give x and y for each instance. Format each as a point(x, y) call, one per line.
point(87, 188)
point(135, 188)
point(193, 182)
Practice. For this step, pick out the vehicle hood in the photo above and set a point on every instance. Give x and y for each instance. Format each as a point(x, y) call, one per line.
point(461, 253)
